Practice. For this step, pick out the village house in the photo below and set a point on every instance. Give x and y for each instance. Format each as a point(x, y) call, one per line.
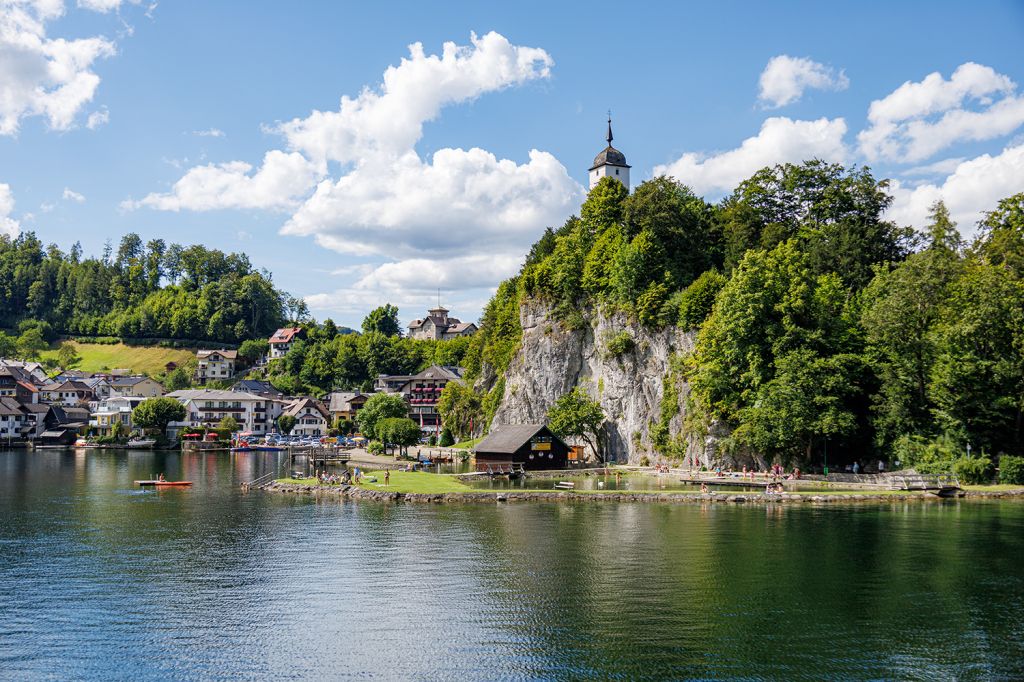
point(13, 420)
point(282, 340)
point(12, 376)
point(421, 392)
point(311, 417)
point(218, 365)
point(112, 411)
point(36, 415)
point(257, 387)
point(27, 371)
point(69, 393)
point(438, 326)
point(136, 387)
point(206, 407)
point(346, 404)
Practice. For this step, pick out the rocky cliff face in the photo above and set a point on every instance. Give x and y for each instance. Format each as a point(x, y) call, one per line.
point(630, 386)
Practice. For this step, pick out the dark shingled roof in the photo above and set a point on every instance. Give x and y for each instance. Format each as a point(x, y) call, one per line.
point(508, 438)
point(610, 156)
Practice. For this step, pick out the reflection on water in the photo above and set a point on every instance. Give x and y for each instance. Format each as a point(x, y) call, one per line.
point(100, 580)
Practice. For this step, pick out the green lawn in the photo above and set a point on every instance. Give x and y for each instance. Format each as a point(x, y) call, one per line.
point(139, 359)
point(467, 444)
point(416, 482)
point(998, 487)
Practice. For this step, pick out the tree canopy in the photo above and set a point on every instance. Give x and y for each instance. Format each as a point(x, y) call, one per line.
point(576, 415)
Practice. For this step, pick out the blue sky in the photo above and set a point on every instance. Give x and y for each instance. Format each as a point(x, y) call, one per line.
point(194, 122)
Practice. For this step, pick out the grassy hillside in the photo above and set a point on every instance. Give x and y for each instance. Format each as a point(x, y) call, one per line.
point(145, 359)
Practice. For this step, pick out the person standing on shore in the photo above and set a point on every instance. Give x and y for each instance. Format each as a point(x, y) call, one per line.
point(387, 477)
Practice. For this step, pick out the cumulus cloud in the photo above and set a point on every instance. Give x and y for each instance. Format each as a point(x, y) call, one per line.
point(71, 195)
point(919, 119)
point(365, 190)
point(785, 79)
point(278, 184)
point(462, 200)
point(42, 76)
point(8, 225)
point(780, 140)
point(975, 186)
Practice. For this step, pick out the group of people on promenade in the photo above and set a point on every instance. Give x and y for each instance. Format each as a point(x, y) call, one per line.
point(346, 477)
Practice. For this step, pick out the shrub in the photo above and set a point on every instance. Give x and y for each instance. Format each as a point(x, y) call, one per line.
point(694, 303)
point(973, 470)
point(1011, 470)
point(926, 456)
point(619, 344)
point(432, 441)
point(446, 438)
point(375, 448)
point(645, 461)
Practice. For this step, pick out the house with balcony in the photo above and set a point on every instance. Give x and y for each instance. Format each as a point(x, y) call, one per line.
point(14, 421)
point(215, 365)
point(311, 417)
point(346, 404)
point(421, 392)
point(281, 341)
point(206, 407)
point(112, 411)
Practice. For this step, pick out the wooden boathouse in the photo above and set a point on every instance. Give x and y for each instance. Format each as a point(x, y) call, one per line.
point(521, 446)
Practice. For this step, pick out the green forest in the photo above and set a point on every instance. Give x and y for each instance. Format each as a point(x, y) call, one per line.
point(140, 291)
point(821, 326)
point(329, 357)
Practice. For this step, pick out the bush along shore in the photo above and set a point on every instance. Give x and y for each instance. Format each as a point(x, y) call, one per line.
point(388, 494)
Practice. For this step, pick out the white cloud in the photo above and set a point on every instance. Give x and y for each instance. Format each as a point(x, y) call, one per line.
point(785, 78)
point(40, 76)
point(98, 118)
point(974, 187)
point(943, 167)
point(71, 195)
point(209, 132)
point(8, 225)
point(780, 140)
point(919, 119)
point(462, 201)
point(46, 207)
point(105, 5)
point(371, 193)
point(277, 185)
point(389, 121)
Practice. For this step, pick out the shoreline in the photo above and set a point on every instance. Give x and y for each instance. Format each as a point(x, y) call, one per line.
point(350, 492)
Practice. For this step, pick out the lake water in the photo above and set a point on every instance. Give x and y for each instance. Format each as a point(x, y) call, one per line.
point(99, 580)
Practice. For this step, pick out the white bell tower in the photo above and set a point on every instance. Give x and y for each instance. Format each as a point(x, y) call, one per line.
point(610, 162)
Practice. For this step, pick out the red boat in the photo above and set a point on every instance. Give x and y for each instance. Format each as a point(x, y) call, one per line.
point(164, 483)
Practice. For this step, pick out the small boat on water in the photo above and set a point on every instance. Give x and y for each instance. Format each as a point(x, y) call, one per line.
point(141, 443)
point(160, 484)
point(83, 443)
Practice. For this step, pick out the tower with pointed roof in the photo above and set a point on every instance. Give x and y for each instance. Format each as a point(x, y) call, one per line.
point(610, 162)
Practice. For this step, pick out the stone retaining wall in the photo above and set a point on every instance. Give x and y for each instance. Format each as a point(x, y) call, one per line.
point(355, 493)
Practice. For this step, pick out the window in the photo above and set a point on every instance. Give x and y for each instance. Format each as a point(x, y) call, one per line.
point(616, 171)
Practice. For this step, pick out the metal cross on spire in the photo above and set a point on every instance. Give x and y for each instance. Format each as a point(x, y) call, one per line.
point(609, 128)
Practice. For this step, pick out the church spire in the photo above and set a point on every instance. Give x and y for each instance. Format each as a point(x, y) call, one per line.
point(609, 138)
